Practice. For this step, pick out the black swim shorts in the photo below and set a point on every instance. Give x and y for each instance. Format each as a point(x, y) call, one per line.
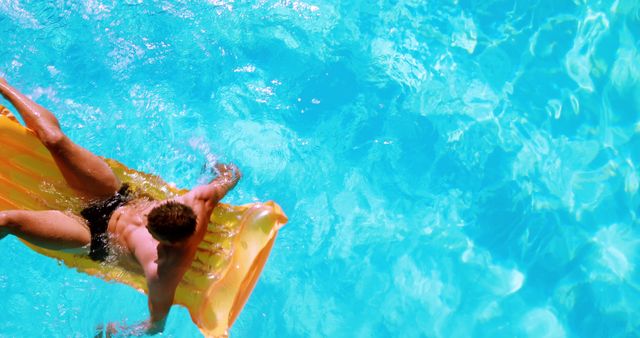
point(98, 215)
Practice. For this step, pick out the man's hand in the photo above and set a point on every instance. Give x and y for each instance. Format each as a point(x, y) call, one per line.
point(109, 331)
point(226, 179)
point(228, 174)
point(123, 330)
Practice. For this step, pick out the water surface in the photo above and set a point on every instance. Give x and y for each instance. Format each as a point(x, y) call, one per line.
point(450, 168)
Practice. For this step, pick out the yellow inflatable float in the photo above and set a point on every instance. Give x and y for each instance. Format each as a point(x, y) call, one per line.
point(229, 259)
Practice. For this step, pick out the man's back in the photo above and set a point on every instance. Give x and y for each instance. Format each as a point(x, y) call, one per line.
point(137, 250)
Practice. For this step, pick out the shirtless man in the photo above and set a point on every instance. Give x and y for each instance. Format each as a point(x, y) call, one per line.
point(157, 238)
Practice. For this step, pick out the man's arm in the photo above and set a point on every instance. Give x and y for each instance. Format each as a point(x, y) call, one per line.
point(160, 301)
point(161, 292)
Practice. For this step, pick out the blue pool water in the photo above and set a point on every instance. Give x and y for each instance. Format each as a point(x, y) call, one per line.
point(450, 168)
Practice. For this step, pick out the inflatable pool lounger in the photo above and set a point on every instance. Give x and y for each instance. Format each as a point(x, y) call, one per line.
point(229, 259)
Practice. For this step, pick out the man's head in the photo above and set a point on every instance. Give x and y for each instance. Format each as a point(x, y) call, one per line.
point(171, 222)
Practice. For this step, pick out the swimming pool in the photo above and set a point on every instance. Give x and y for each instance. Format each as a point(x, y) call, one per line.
point(450, 168)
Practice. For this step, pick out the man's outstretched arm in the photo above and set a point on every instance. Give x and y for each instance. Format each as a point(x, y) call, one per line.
point(160, 300)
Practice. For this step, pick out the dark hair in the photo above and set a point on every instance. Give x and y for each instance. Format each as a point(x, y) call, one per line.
point(171, 222)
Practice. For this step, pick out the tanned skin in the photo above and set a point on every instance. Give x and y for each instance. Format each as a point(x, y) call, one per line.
point(136, 249)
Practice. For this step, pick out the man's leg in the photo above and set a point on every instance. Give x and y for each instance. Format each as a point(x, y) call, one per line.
point(83, 171)
point(48, 229)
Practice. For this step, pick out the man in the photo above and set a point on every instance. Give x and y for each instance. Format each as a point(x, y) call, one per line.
point(156, 238)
